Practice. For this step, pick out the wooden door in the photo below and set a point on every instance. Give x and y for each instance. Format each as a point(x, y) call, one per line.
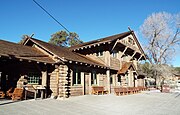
point(86, 83)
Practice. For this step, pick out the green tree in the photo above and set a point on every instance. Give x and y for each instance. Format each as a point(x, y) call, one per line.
point(62, 38)
point(23, 37)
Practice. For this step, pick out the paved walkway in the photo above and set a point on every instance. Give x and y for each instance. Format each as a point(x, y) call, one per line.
point(146, 103)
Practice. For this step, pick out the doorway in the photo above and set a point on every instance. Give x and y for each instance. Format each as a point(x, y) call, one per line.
point(86, 84)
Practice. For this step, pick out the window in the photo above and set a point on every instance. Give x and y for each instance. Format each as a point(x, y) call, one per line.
point(119, 78)
point(93, 78)
point(76, 77)
point(99, 53)
point(127, 79)
point(114, 54)
point(111, 80)
point(33, 78)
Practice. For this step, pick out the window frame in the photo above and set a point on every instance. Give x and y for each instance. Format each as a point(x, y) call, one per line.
point(76, 77)
point(93, 78)
point(34, 78)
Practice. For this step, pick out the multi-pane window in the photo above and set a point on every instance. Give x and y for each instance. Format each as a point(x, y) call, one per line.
point(76, 77)
point(93, 78)
point(33, 78)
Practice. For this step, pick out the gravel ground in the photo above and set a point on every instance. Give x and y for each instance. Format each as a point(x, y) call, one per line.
point(145, 103)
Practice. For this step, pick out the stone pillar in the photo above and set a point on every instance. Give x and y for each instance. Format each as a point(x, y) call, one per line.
point(64, 81)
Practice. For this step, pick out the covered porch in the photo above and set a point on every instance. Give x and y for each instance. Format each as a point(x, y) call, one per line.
point(28, 75)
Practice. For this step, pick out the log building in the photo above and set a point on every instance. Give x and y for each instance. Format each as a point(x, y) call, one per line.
point(65, 72)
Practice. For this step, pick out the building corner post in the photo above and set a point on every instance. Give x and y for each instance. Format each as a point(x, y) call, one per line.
point(108, 81)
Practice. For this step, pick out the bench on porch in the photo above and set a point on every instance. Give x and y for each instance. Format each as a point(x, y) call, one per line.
point(9, 92)
point(99, 90)
point(142, 88)
point(133, 90)
point(17, 94)
point(121, 91)
point(125, 90)
point(2, 94)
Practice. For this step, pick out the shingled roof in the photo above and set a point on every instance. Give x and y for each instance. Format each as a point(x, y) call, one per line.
point(9, 49)
point(102, 40)
point(65, 53)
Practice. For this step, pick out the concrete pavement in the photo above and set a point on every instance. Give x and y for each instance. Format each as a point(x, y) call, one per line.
point(146, 103)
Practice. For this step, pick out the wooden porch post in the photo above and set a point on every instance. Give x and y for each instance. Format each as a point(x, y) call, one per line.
point(108, 81)
point(44, 78)
point(82, 82)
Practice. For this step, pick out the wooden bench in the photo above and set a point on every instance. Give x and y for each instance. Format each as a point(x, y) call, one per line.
point(125, 90)
point(17, 94)
point(9, 92)
point(142, 88)
point(2, 94)
point(131, 90)
point(121, 91)
point(99, 90)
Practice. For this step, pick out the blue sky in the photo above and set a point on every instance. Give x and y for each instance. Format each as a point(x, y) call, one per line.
point(91, 19)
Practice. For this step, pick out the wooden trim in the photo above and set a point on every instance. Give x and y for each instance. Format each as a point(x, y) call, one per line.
point(124, 51)
point(114, 45)
point(140, 57)
point(133, 55)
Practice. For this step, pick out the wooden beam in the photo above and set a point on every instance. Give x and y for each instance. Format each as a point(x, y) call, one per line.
point(114, 45)
point(124, 51)
point(133, 54)
point(140, 57)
